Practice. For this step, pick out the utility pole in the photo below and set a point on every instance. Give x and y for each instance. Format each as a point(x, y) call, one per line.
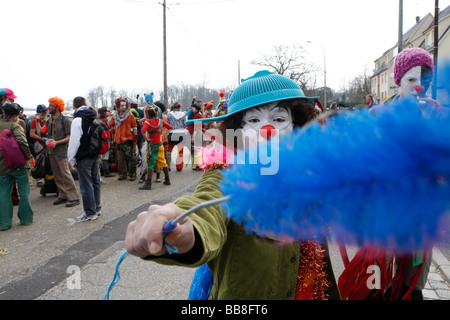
point(436, 47)
point(239, 72)
point(400, 26)
point(166, 103)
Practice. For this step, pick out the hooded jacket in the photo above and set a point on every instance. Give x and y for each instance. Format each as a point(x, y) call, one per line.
point(176, 119)
point(79, 139)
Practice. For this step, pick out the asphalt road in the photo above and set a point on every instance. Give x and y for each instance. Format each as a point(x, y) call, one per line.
point(39, 255)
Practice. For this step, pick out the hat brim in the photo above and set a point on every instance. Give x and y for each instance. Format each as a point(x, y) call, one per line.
point(216, 119)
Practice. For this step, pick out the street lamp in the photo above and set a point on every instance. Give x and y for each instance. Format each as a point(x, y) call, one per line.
point(324, 73)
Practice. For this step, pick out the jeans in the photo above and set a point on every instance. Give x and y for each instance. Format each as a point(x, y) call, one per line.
point(24, 212)
point(89, 179)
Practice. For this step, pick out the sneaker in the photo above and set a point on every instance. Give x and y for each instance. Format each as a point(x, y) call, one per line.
point(109, 175)
point(86, 217)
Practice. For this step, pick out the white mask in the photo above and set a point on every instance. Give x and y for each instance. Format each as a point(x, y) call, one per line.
point(411, 82)
point(266, 121)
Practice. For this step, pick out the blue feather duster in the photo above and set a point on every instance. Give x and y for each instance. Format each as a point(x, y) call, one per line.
point(365, 179)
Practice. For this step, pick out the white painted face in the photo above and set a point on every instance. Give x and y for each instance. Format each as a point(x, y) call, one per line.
point(410, 81)
point(266, 121)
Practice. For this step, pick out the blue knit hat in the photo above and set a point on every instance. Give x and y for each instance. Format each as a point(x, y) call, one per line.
point(262, 88)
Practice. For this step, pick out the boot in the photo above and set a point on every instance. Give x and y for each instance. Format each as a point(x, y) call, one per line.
point(166, 176)
point(169, 158)
point(148, 183)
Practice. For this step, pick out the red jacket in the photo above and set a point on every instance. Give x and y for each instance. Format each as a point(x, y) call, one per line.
point(153, 129)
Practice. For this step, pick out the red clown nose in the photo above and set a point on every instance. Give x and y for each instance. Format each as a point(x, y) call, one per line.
point(267, 131)
point(419, 89)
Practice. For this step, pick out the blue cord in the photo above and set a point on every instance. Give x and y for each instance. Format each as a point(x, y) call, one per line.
point(170, 249)
point(116, 275)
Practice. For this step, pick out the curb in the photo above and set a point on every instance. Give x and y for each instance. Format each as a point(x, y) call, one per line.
point(442, 263)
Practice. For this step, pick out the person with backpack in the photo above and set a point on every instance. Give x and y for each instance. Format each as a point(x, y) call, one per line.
point(85, 161)
point(9, 172)
point(57, 130)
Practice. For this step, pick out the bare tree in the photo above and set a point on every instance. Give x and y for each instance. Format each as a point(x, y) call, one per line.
point(289, 61)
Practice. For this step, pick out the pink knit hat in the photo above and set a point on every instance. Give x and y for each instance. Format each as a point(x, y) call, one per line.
point(410, 58)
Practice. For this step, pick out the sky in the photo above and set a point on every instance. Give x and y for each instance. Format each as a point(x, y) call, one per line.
point(65, 48)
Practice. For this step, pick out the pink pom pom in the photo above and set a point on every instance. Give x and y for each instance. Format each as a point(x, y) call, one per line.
point(51, 144)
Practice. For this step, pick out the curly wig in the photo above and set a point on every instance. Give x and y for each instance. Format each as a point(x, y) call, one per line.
point(58, 102)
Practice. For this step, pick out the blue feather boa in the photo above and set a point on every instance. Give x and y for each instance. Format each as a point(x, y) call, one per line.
point(364, 179)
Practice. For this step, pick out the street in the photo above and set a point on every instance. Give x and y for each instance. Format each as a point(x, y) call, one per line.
point(44, 259)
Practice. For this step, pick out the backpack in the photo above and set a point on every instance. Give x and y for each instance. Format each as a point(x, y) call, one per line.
point(13, 155)
point(99, 137)
point(39, 171)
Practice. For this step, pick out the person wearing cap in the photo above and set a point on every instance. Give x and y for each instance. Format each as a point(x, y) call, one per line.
point(21, 175)
point(36, 127)
point(243, 265)
point(6, 96)
point(58, 130)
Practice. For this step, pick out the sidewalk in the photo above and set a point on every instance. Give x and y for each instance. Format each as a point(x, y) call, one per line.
point(438, 284)
point(143, 280)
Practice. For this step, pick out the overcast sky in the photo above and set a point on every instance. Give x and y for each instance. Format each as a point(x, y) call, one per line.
point(66, 47)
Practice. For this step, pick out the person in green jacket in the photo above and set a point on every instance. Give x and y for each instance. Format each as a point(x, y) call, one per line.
point(242, 265)
point(7, 175)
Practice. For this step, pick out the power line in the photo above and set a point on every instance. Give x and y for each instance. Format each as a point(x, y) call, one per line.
point(196, 42)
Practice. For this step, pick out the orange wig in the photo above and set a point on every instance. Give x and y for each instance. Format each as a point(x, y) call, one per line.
point(58, 102)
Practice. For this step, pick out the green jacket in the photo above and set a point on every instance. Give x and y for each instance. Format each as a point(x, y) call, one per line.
point(21, 138)
point(244, 266)
point(59, 129)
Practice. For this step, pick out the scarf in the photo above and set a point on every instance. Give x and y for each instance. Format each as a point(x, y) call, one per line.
point(119, 119)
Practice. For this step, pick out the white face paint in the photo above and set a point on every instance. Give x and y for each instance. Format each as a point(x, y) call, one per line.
point(411, 79)
point(270, 118)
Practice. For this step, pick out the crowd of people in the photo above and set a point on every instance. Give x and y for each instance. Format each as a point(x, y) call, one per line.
point(56, 143)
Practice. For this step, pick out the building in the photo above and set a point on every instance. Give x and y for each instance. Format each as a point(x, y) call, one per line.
point(421, 35)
